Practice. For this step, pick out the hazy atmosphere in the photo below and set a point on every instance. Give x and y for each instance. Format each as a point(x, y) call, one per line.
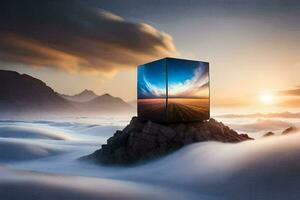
point(92, 45)
point(71, 126)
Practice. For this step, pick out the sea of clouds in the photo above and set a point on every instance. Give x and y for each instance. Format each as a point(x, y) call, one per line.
point(39, 160)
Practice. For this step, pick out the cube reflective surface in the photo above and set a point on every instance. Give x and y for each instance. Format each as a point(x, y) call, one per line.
point(173, 90)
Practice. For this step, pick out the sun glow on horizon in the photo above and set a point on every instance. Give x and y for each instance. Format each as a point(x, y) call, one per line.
point(267, 98)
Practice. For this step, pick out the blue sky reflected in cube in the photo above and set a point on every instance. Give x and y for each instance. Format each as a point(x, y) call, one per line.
point(187, 79)
point(152, 80)
point(173, 90)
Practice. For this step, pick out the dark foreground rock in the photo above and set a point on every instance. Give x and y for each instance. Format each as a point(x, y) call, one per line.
point(141, 141)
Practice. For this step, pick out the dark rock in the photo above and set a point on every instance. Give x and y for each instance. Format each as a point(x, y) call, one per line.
point(268, 134)
point(289, 130)
point(134, 124)
point(150, 128)
point(167, 132)
point(161, 138)
point(140, 141)
point(106, 149)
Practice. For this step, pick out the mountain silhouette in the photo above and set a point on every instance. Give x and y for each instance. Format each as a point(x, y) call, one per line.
point(21, 92)
point(24, 94)
point(106, 103)
point(85, 95)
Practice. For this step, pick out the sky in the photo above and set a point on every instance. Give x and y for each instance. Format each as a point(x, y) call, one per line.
point(173, 78)
point(152, 80)
point(252, 46)
point(187, 79)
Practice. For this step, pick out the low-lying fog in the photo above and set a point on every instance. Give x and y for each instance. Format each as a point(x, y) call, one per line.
point(38, 160)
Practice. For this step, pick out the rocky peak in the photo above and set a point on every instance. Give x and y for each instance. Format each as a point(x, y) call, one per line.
point(289, 130)
point(87, 92)
point(106, 95)
point(84, 96)
point(268, 134)
point(141, 141)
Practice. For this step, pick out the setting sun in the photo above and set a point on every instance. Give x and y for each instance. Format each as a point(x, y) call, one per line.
point(266, 98)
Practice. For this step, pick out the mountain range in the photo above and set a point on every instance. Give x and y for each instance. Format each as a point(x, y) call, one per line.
point(21, 94)
point(85, 95)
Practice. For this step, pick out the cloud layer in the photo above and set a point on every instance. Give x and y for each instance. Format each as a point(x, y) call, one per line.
point(291, 97)
point(291, 92)
point(74, 36)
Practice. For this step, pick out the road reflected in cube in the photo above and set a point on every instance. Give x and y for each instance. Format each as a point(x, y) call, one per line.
point(173, 90)
point(152, 91)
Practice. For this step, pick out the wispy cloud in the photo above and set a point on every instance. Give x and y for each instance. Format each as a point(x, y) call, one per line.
point(291, 102)
point(152, 90)
point(290, 97)
point(262, 115)
point(290, 92)
point(197, 86)
point(76, 37)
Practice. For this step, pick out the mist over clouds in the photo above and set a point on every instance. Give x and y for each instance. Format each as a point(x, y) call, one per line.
point(75, 36)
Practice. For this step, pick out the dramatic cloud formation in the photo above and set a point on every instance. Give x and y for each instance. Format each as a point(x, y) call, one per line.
point(74, 36)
